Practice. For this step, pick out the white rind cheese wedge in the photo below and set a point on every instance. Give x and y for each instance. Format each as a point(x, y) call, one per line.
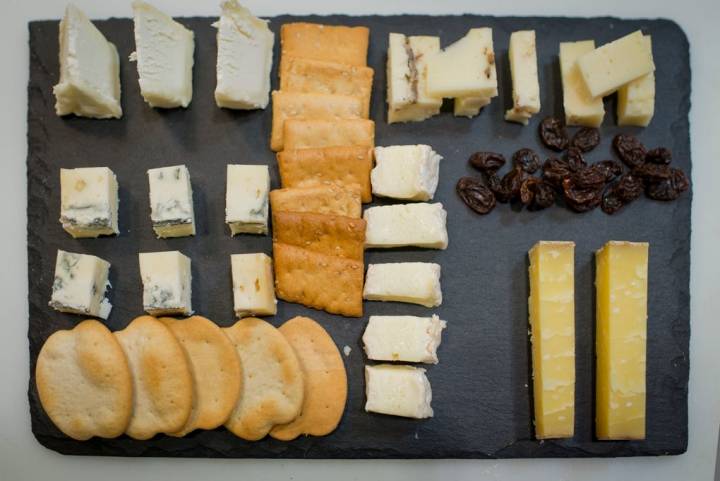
point(524, 71)
point(469, 106)
point(89, 201)
point(164, 54)
point(167, 283)
point(636, 99)
point(89, 70)
point(246, 200)
point(399, 225)
point(171, 202)
point(253, 286)
point(244, 59)
point(398, 391)
point(581, 108)
point(403, 338)
point(79, 285)
point(411, 282)
point(408, 172)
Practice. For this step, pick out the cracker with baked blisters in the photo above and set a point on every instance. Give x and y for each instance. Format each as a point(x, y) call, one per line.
point(331, 43)
point(323, 233)
point(308, 134)
point(326, 199)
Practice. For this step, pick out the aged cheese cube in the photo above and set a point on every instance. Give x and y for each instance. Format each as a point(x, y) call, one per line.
point(411, 282)
point(89, 201)
point(421, 225)
point(171, 202)
point(621, 282)
point(79, 285)
point(581, 108)
point(164, 54)
point(407, 172)
point(524, 71)
point(246, 200)
point(552, 325)
point(89, 70)
point(636, 99)
point(253, 286)
point(167, 283)
point(398, 391)
point(244, 58)
point(469, 106)
point(403, 338)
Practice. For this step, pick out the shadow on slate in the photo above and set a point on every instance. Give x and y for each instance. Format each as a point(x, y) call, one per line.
point(482, 385)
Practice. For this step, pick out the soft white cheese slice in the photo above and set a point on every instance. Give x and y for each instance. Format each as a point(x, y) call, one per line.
point(171, 201)
point(167, 283)
point(581, 108)
point(79, 285)
point(636, 99)
point(403, 338)
point(246, 201)
point(524, 71)
point(398, 391)
point(411, 282)
point(89, 201)
point(420, 225)
point(89, 70)
point(408, 172)
point(253, 286)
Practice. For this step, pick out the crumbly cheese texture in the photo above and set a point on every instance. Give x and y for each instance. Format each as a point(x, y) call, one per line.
point(167, 283)
point(164, 54)
point(420, 225)
point(408, 172)
point(524, 71)
point(636, 99)
point(621, 322)
point(398, 391)
point(411, 282)
point(552, 325)
point(89, 201)
point(253, 286)
point(244, 58)
point(171, 201)
point(89, 70)
point(79, 285)
point(581, 108)
point(246, 200)
point(403, 338)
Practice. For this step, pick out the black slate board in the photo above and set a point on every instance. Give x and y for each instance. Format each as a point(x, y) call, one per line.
point(481, 396)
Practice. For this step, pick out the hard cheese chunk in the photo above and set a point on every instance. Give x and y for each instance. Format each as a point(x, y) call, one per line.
point(171, 201)
point(244, 58)
point(607, 68)
point(621, 283)
point(524, 70)
point(253, 285)
point(79, 285)
point(89, 201)
point(552, 324)
point(246, 199)
point(420, 225)
point(581, 108)
point(469, 106)
point(411, 282)
point(89, 70)
point(398, 391)
point(407, 172)
point(167, 283)
point(636, 99)
point(164, 55)
point(403, 338)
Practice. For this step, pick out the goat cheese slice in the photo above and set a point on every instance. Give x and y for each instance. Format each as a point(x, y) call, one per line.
point(524, 71)
point(164, 54)
point(636, 99)
point(420, 225)
point(407, 172)
point(244, 58)
point(398, 391)
point(581, 108)
point(89, 70)
point(403, 338)
point(167, 283)
point(411, 282)
point(246, 201)
point(79, 285)
point(253, 286)
point(89, 201)
point(171, 202)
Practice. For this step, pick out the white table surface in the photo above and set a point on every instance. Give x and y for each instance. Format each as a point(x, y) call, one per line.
point(21, 457)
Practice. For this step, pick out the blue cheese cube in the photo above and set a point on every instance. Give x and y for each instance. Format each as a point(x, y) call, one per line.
point(80, 284)
point(167, 283)
point(246, 201)
point(89, 201)
point(171, 202)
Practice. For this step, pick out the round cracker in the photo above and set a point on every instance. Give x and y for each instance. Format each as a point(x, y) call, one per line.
point(216, 371)
point(84, 382)
point(325, 380)
point(272, 390)
point(161, 378)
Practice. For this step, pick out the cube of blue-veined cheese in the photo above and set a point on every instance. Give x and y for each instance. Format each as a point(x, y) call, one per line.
point(398, 390)
point(89, 201)
point(167, 283)
point(408, 172)
point(403, 338)
point(253, 286)
point(171, 202)
point(420, 225)
point(412, 282)
point(246, 201)
point(80, 284)
point(89, 70)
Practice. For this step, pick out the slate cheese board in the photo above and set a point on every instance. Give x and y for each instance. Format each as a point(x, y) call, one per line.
point(482, 387)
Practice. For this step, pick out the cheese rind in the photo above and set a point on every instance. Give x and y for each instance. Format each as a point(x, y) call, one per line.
point(89, 201)
point(167, 283)
point(171, 202)
point(524, 71)
point(246, 199)
point(411, 282)
point(79, 285)
point(636, 99)
point(253, 285)
point(420, 225)
point(403, 338)
point(581, 108)
point(408, 172)
point(398, 391)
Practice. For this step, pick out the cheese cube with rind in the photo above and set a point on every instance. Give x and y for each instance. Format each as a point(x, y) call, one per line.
point(403, 338)
point(253, 285)
point(398, 225)
point(398, 391)
point(411, 282)
point(581, 108)
point(79, 285)
point(408, 172)
point(171, 201)
point(167, 283)
point(524, 71)
point(89, 201)
point(246, 199)
point(636, 99)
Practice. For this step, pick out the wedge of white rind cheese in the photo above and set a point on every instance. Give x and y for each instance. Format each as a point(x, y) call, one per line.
point(89, 202)
point(581, 108)
point(636, 99)
point(399, 225)
point(398, 391)
point(244, 59)
point(246, 200)
point(167, 283)
point(79, 285)
point(524, 71)
point(403, 338)
point(164, 54)
point(408, 172)
point(411, 282)
point(407, 96)
point(253, 286)
point(469, 106)
point(171, 202)
point(89, 70)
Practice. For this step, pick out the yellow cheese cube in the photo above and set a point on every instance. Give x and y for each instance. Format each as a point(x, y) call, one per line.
point(580, 107)
point(636, 100)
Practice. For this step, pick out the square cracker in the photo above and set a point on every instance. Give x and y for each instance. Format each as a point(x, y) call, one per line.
point(331, 43)
point(319, 281)
point(307, 134)
point(326, 199)
point(334, 235)
point(342, 165)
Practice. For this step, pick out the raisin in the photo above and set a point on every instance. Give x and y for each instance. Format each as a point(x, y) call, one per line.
point(581, 199)
point(536, 194)
point(612, 168)
point(487, 162)
point(586, 139)
point(630, 150)
point(555, 171)
point(527, 160)
point(593, 177)
point(670, 188)
point(628, 188)
point(575, 159)
point(475, 195)
point(611, 203)
point(660, 155)
point(553, 134)
point(653, 172)
point(512, 181)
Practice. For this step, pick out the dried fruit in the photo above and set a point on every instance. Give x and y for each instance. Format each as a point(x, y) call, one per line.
point(653, 172)
point(593, 177)
point(630, 150)
point(536, 194)
point(553, 134)
point(581, 199)
point(487, 162)
point(612, 168)
point(512, 181)
point(628, 188)
point(660, 155)
point(475, 195)
point(586, 139)
point(611, 203)
point(555, 171)
point(527, 160)
point(575, 159)
point(670, 188)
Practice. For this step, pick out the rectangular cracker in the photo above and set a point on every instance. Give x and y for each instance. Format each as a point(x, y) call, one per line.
point(335, 235)
point(331, 43)
point(307, 134)
point(319, 281)
point(326, 199)
point(341, 165)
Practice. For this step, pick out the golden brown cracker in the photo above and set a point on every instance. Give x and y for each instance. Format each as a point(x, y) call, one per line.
point(323, 233)
point(331, 43)
point(326, 199)
point(307, 134)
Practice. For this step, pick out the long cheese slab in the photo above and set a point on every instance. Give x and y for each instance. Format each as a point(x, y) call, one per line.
point(581, 108)
point(636, 99)
point(621, 283)
point(524, 70)
point(552, 324)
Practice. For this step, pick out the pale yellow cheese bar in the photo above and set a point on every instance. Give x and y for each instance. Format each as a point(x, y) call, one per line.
point(621, 283)
point(552, 325)
point(580, 107)
point(636, 100)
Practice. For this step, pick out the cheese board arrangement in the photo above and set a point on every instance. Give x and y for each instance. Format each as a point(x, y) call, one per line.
point(358, 237)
